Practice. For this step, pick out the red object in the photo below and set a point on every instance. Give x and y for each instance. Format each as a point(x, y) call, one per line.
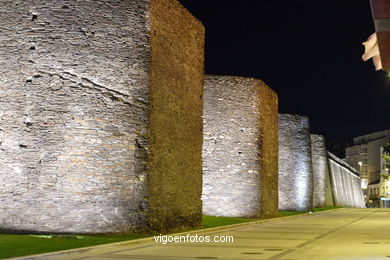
point(380, 9)
point(381, 15)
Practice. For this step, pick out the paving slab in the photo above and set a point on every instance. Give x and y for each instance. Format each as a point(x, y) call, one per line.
point(343, 234)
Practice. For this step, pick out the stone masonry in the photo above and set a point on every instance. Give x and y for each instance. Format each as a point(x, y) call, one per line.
point(346, 184)
point(240, 176)
point(295, 166)
point(322, 192)
point(100, 116)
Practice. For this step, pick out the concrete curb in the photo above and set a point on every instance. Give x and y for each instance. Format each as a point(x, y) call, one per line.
point(142, 241)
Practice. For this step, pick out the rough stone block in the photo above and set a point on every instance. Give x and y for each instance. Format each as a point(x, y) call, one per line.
point(100, 116)
point(346, 184)
point(240, 148)
point(295, 169)
point(322, 193)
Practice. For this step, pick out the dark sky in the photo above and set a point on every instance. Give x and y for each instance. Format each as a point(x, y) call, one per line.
point(308, 51)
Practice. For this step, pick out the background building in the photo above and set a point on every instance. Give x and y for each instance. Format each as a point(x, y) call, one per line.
point(364, 153)
point(379, 191)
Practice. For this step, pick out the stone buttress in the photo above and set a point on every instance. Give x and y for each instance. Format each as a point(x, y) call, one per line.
point(100, 116)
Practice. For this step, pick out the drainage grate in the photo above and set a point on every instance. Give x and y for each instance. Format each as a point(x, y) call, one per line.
point(251, 253)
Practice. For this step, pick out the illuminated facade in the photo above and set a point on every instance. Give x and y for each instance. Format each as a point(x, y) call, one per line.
point(364, 154)
point(378, 193)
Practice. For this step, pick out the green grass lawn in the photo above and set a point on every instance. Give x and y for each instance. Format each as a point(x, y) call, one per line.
point(211, 221)
point(21, 245)
point(12, 245)
point(285, 213)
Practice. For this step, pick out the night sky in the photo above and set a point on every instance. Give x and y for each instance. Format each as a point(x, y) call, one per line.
point(308, 51)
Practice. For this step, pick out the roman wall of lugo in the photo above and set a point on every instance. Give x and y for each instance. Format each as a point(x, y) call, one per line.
point(107, 125)
point(322, 189)
point(101, 106)
point(346, 184)
point(240, 145)
point(295, 165)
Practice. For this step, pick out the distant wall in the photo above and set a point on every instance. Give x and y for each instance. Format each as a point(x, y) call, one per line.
point(322, 192)
point(346, 184)
point(239, 148)
point(100, 116)
point(295, 166)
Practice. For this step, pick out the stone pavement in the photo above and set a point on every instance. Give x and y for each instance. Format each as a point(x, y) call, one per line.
point(353, 234)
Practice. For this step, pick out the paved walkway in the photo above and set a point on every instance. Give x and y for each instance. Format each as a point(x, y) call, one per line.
point(353, 234)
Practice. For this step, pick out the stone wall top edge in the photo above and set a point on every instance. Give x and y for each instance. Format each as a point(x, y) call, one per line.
point(317, 136)
point(260, 85)
point(293, 115)
point(186, 12)
point(344, 164)
point(269, 90)
point(232, 77)
point(249, 80)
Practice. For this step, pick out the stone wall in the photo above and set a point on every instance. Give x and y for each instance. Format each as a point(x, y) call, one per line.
point(176, 125)
point(295, 166)
point(92, 97)
point(239, 148)
point(346, 184)
point(322, 193)
point(268, 151)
